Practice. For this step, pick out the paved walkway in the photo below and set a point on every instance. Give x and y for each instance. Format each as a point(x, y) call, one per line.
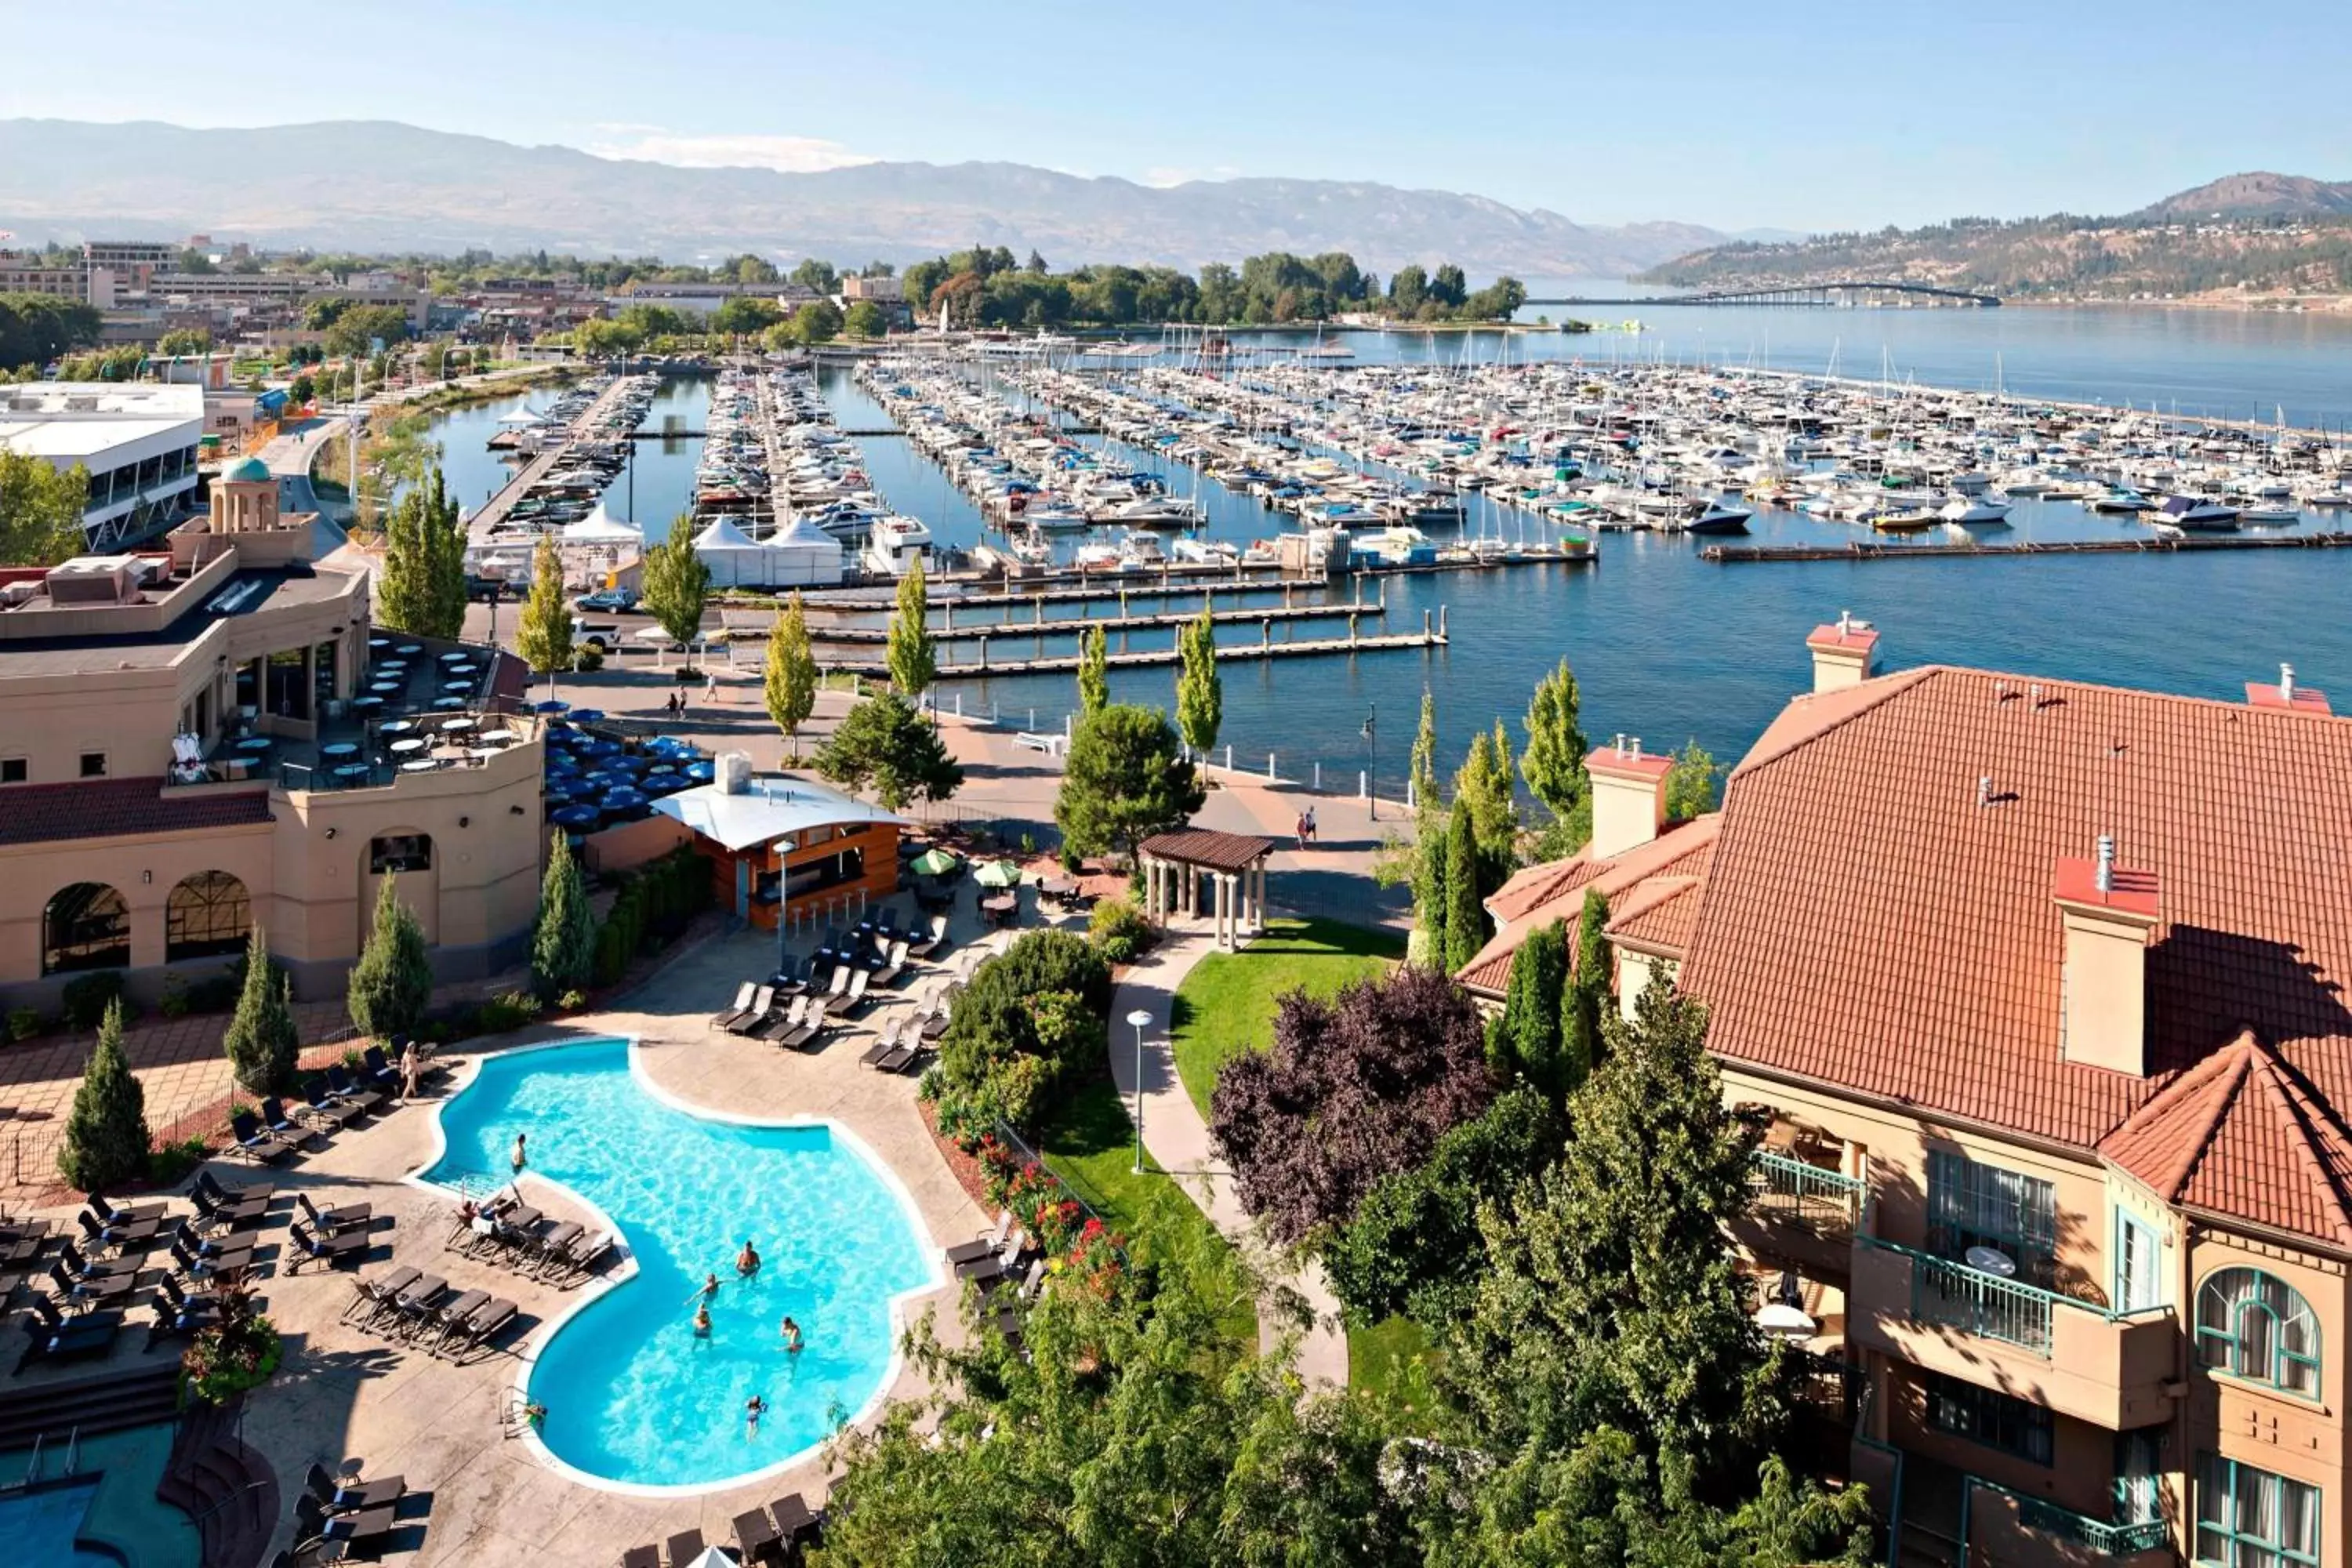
point(1179, 1143)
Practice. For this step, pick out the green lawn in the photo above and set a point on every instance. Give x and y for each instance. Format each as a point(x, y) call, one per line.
point(1226, 1005)
point(1378, 1357)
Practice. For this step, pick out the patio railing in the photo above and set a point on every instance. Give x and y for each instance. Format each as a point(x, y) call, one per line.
point(1826, 1202)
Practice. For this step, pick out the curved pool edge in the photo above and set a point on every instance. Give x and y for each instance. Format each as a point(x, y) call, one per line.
point(527, 1358)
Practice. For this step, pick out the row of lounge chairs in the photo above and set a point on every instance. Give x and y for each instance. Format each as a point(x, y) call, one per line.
point(515, 1235)
point(412, 1307)
point(326, 1102)
point(989, 1261)
point(776, 1533)
point(332, 1518)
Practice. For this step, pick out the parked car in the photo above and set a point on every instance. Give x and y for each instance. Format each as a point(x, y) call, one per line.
point(608, 601)
point(488, 590)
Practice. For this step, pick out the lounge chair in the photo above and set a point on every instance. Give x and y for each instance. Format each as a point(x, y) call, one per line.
point(343, 1497)
point(553, 1242)
point(82, 1266)
point(988, 1246)
point(727, 1017)
point(754, 1535)
point(839, 984)
point(336, 1218)
point(641, 1557)
point(324, 1110)
point(575, 1262)
point(254, 1141)
point(217, 1244)
point(762, 1008)
point(211, 1214)
point(200, 1269)
point(81, 1295)
point(343, 1246)
point(220, 1192)
point(137, 1214)
point(884, 1044)
point(791, 976)
point(684, 1548)
point(894, 964)
point(340, 1087)
point(795, 1521)
point(280, 1121)
point(431, 1328)
point(366, 1525)
point(372, 1298)
point(111, 1237)
point(376, 1069)
point(782, 1022)
point(903, 1057)
point(855, 998)
point(57, 1338)
point(477, 1329)
point(934, 939)
point(814, 1027)
point(184, 1317)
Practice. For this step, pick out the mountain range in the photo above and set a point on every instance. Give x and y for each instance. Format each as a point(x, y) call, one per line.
point(382, 187)
point(2259, 194)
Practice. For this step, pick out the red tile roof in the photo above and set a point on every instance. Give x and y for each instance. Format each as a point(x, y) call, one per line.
point(2239, 1135)
point(1868, 922)
point(113, 808)
point(1542, 894)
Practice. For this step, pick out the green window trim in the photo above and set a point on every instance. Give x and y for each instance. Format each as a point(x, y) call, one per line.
point(2254, 1327)
point(2250, 1518)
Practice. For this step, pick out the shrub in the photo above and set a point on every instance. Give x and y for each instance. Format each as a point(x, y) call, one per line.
point(86, 996)
point(168, 1165)
point(24, 1023)
point(564, 941)
point(1119, 931)
point(1031, 1015)
point(175, 1003)
point(1353, 1089)
point(106, 1131)
point(511, 1010)
point(572, 1001)
point(239, 1352)
point(589, 660)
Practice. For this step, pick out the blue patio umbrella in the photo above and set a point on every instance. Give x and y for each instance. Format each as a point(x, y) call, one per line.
point(661, 768)
point(574, 816)
point(551, 706)
point(606, 749)
point(556, 794)
point(701, 773)
point(587, 715)
point(624, 800)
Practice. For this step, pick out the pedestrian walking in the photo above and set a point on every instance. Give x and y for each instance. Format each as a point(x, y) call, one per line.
point(1298, 830)
point(1311, 829)
point(710, 687)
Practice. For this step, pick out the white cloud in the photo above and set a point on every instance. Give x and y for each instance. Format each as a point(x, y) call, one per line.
point(791, 154)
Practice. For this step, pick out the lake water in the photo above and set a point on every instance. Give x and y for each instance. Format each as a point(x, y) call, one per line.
point(1671, 648)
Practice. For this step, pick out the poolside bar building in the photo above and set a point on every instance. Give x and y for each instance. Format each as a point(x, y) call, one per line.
point(784, 847)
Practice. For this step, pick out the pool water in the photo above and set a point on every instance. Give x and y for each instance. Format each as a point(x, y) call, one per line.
point(40, 1527)
point(633, 1394)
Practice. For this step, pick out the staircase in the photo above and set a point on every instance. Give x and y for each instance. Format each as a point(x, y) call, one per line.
point(48, 1412)
point(227, 1488)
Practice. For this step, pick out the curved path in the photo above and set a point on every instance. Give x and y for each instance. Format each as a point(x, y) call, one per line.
point(1178, 1141)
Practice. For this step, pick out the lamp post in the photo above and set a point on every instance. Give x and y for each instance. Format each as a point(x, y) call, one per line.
point(1371, 791)
point(1141, 1020)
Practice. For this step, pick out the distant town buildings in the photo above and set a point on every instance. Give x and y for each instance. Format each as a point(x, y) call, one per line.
point(139, 441)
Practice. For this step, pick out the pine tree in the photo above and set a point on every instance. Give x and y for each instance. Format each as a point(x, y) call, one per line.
point(1200, 691)
point(1466, 917)
point(391, 984)
point(676, 583)
point(1527, 1037)
point(544, 637)
point(790, 685)
point(1553, 764)
point(913, 655)
point(106, 1133)
point(563, 942)
point(262, 1041)
point(1586, 1002)
point(1094, 671)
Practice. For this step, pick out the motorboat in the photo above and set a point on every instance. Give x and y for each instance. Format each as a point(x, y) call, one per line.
point(1719, 518)
point(2199, 515)
point(1975, 511)
point(895, 545)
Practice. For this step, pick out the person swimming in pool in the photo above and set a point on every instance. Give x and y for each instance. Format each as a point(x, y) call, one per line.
point(753, 1409)
point(519, 1158)
point(792, 1335)
point(747, 1262)
point(702, 1322)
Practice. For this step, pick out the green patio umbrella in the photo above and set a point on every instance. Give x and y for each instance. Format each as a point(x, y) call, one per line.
point(936, 862)
point(998, 874)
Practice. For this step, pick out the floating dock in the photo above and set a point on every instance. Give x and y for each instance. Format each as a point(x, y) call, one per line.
point(982, 631)
point(482, 524)
point(1227, 652)
point(1733, 554)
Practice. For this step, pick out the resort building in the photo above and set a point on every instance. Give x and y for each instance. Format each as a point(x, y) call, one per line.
point(204, 737)
point(781, 848)
point(2040, 988)
point(138, 440)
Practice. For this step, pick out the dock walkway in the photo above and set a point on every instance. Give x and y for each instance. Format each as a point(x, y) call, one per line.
point(1736, 555)
point(484, 523)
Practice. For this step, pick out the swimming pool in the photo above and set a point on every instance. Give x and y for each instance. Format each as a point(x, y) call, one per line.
point(636, 1398)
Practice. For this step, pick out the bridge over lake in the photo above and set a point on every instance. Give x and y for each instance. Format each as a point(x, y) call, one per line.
point(1848, 292)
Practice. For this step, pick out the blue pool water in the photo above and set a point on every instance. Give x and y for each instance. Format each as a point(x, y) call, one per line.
point(40, 1527)
point(632, 1396)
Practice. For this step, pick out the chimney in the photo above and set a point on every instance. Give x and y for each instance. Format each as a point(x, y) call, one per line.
point(2287, 694)
point(1845, 653)
point(1628, 796)
point(2108, 914)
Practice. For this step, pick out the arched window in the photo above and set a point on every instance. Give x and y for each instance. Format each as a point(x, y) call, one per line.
point(209, 914)
point(86, 926)
point(2256, 1326)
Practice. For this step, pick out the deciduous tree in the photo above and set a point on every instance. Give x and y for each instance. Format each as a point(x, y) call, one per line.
point(912, 653)
point(1126, 779)
point(545, 637)
point(790, 681)
point(1691, 784)
point(1553, 762)
point(423, 588)
point(1094, 671)
point(106, 1133)
point(1200, 691)
point(40, 510)
point(1351, 1091)
point(676, 583)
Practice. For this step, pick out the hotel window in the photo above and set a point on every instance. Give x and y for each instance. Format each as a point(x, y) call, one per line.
point(2139, 1476)
point(2256, 1326)
point(93, 764)
point(2248, 1518)
point(2139, 1271)
point(13, 770)
point(400, 852)
point(1971, 1204)
point(1991, 1420)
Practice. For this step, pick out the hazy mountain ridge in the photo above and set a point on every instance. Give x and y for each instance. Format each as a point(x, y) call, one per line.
point(383, 185)
point(2243, 235)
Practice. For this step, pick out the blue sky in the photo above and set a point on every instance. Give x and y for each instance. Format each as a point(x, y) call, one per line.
point(1798, 115)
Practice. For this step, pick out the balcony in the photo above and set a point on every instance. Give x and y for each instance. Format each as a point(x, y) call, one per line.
point(2004, 1526)
point(1803, 1215)
point(2078, 1358)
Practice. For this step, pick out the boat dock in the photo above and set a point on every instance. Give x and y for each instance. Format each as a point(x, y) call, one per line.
point(1732, 554)
point(1041, 628)
point(1431, 635)
point(484, 523)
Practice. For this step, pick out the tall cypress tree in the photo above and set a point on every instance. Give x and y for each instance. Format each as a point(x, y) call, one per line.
point(445, 559)
point(106, 1133)
point(262, 1041)
point(1585, 1002)
point(1199, 690)
point(912, 654)
point(1430, 885)
point(563, 942)
point(545, 637)
point(1094, 671)
point(391, 984)
point(1466, 917)
point(1553, 764)
point(1527, 1037)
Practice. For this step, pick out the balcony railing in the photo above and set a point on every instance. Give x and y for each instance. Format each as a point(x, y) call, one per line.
point(1826, 1202)
point(2094, 1535)
point(1986, 1305)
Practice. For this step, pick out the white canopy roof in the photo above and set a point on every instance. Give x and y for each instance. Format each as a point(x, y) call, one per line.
point(775, 807)
point(722, 534)
point(599, 527)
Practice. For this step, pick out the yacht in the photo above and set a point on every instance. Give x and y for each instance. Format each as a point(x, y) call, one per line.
point(1975, 511)
point(895, 545)
point(1719, 518)
point(2199, 515)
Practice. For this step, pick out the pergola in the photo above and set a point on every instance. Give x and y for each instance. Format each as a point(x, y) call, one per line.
point(1233, 865)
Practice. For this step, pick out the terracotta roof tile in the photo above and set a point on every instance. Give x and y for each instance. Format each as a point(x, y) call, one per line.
point(112, 808)
point(1867, 923)
point(1681, 851)
point(1660, 915)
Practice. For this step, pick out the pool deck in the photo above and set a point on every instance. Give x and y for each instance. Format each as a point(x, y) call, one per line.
point(479, 1497)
